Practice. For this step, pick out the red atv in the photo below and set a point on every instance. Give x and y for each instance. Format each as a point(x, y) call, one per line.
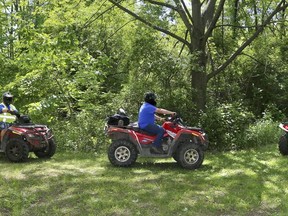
point(185, 144)
point(283, 144)
point(23, 137)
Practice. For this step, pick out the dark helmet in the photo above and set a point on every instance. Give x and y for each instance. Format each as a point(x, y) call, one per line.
point(150, 97)
point(7, 98)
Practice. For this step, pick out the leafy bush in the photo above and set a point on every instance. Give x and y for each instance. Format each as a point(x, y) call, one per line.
point(262, 132)
point(84, 132)
point(225, 124)
point(230, 126)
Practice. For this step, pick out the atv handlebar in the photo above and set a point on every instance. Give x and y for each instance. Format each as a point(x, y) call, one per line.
point(175, 118)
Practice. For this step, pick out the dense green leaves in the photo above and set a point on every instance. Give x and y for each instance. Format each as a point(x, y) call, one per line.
point(75, 62)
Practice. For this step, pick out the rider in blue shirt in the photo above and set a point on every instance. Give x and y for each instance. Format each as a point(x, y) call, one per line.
point(146, 120)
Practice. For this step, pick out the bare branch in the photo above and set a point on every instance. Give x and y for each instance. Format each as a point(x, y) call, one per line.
point(186, 10)
point(248, 42)
point(182, 48)
point(161, 4)
point(93, 18)
point(247, 27)
point(183, 14)
point(110, 36)
point(150, 24)
point(256, 60)
point(178, 9)
point(214, 20)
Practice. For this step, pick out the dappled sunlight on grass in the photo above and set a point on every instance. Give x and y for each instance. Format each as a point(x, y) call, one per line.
point(230, 183)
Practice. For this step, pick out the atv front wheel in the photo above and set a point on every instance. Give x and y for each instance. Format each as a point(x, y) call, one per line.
point(175, 157)
point(47, 152)
point(190, 156)
point(17, 150)
point(122, 153)
point(283, 145)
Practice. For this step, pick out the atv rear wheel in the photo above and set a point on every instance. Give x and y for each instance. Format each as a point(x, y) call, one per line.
point(17, 150)
point(190, 156)
point(283, 145)
point(122, 153)
point(47, 152)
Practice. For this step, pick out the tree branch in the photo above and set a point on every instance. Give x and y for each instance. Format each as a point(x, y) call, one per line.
point(187, 11)
point(178, 9)
point(183, 14)
point(246, 27)
point(161, 4)
point(150, 24)
point(115, 32)
point(182, 48)
point(90, 20)
point(214, 20)
point(248, 42)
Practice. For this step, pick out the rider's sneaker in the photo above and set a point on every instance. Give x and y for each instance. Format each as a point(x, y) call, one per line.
point(156, 150)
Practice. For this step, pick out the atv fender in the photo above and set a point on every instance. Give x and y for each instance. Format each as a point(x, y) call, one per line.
point(117, 133)
point(187, 137)
point(8, 135)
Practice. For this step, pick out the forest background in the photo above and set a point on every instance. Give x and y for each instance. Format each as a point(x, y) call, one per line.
point(222, 65)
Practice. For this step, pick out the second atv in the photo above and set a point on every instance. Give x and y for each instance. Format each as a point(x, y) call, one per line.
point(185, 144)
point(23, 137)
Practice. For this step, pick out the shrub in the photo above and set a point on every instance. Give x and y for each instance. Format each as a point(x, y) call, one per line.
point(224, 125)
point(83, 132)
point(262, 132)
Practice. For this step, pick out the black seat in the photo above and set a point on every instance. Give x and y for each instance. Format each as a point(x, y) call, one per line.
point(136, 128)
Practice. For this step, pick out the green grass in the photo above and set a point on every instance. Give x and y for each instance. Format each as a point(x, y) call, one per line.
point(251, 182)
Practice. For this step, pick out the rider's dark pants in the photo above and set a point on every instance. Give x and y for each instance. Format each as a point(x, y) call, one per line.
point(158, 131)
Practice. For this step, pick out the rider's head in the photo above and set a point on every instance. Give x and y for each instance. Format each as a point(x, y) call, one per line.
point(7, 98)
point(150, 98)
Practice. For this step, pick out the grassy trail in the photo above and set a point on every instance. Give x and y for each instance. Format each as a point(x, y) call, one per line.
point(252, 182)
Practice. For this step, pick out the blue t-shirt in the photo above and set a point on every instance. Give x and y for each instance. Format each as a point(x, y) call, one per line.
point(146, 115)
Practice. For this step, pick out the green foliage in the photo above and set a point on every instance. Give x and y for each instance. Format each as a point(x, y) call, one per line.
point(231, 126)
point(225, 124)
point(72, 63)
point(263, 81)
point(262, 132)
point(84, 132)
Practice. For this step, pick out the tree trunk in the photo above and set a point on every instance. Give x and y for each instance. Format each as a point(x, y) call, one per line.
point(199, 88)
point(200, 24)
point(199, 75)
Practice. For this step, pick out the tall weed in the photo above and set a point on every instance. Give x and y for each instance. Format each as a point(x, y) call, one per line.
point(263, 132)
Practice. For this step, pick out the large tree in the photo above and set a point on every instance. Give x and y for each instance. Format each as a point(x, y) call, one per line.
point(200, 19)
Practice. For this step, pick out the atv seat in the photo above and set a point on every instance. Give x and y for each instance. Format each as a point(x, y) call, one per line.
point(134, 126)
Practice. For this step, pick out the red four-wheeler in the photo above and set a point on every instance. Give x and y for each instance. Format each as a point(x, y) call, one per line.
point(23, 137)
point(185, 144)
point(283, 141)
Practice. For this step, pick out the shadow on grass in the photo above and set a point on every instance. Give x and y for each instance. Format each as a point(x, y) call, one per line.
point(232, 183)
